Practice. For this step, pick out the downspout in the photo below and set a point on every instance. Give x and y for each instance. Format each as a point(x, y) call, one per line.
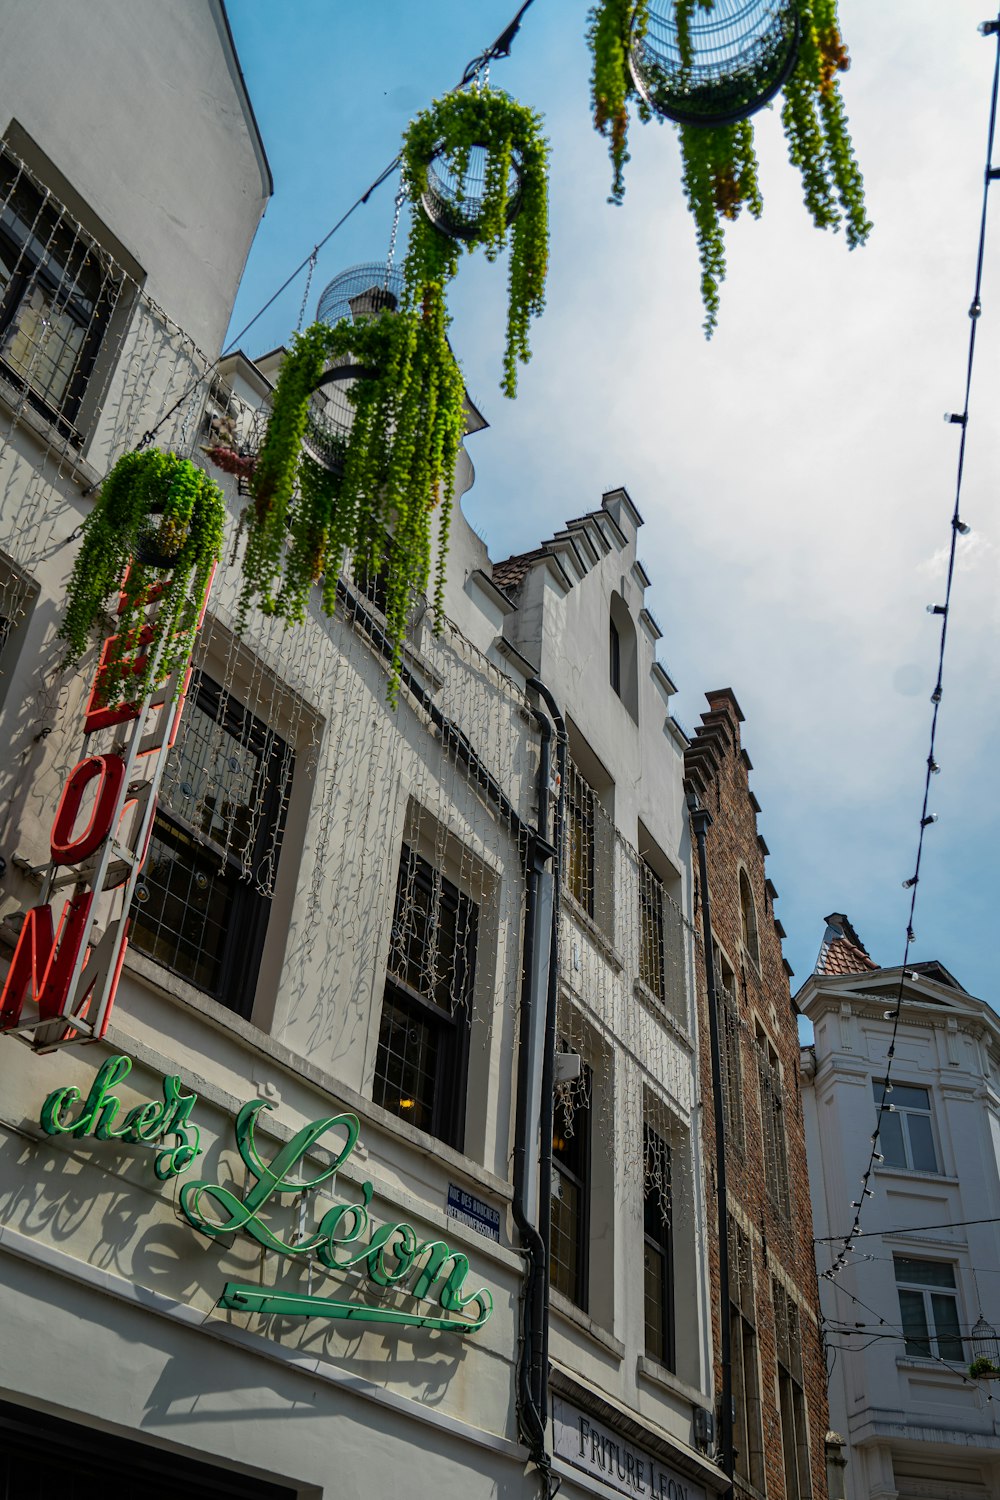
point(530, 1418)
point(701, 821)
point(549, 1051)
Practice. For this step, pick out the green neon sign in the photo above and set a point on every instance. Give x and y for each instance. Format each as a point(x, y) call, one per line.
point(146, 1124)
point(392, 1255)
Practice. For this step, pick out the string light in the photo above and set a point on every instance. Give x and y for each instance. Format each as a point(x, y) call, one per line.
point(958, 528)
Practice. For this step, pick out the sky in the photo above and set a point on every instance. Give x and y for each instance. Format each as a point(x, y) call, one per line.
point(794, 474)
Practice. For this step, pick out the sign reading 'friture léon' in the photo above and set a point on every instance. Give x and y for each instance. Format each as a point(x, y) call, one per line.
point(391, 1256)
point(588, 1445)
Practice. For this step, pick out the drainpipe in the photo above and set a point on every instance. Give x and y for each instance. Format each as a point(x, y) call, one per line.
point(549, 1052)
point(701, 821)
point(534, 987)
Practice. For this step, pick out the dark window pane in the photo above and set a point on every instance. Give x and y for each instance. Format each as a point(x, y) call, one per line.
point(914, 1319)
point(924, 1272)
point(654, 1271)
point(891, 1140)
point(406, 1066)
point(921, 1142)
point(944, 1311)
point(182, 908)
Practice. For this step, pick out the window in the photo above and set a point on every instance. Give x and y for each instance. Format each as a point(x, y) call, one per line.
point(748, 921)
point(652, 900)
point(579, 806)
point(624, 660)
point(57, 292)
point(203, 897)
point(658, 1254)
point(905, 1136)
point(729, 1055)
point(616, 659)
point(748, 1433)
point(420, 1069)
point(928, 1308)
point(570, 1212)
point(772, 1119)
point(791, 1395)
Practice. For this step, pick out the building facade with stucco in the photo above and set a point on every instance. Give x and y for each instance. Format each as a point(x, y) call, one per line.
point(901, 1088)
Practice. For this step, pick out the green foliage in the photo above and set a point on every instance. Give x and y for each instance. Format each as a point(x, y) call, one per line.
point(719, 162)
point(392, 468)
point(719, 177)
point(982, 1366)
point(509, 132)
point(187, 530)
point(610, 28)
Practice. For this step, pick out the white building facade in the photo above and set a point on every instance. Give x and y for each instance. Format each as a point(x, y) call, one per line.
point(282, 1230)
point(901, 1316)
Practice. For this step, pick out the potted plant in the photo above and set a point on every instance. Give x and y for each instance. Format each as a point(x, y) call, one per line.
point(509, 206)
point(719, 160)
point(369, 490)
point(983, 1368)
point(158, 519)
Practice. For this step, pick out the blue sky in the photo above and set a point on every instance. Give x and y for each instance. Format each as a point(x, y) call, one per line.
point(795, 476)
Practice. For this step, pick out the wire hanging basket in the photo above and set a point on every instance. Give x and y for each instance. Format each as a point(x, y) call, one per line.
point(453, 201)
point(715, 66)
point(357, 294)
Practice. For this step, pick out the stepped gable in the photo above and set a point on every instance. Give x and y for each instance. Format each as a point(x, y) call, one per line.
point(582, 542)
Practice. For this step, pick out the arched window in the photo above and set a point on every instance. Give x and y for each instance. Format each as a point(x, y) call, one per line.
point(748, 920)
point(623, 665)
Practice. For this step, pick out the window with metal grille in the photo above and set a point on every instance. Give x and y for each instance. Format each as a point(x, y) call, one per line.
point(58, 289)
point(731, 1062)
point(202, 902)
point(570, 1212)
point(928, 1308)
point(791, 1395)
point(772, 1119)
point(616, 658)
point(658, 1252)
point(580, 803)
point(422, 1059)
point(652, 958)
point(748, 1429)
point(905, 1135)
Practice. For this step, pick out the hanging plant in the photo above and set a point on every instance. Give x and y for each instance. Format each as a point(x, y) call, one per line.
point(370, 490)
point(161, 519)
point(452, 206)
point(799, 51)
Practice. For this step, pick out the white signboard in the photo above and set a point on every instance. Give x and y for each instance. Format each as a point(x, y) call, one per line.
point(588, 1445)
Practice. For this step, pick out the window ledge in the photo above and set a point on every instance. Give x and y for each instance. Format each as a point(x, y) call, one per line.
point(656, 1374)
point(583, 919)
point(930, 1366)
point(475, 1174)
point(915, 1174)
point(570, 1313)
point(643, 993)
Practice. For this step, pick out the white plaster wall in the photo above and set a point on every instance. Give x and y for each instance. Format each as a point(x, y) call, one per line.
point(141, 109)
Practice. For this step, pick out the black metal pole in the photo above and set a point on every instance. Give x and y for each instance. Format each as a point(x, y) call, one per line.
point(701, 821)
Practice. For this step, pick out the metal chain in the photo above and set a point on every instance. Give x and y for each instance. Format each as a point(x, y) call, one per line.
point(305, 294)
point(400, 200)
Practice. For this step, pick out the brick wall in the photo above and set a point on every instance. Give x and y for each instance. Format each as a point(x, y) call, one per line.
point(717, 771)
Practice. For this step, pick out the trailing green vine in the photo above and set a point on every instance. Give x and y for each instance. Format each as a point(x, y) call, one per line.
point(160, 518)
point(719, 178)
point(371, 490)
point(719, 162)
point(510, 134)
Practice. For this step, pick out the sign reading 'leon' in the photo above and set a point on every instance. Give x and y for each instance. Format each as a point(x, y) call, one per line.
point(393, 1255)
point(597, 1450)
point(62, 980)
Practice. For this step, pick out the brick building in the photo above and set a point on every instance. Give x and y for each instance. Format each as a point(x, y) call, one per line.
point(779, 1405)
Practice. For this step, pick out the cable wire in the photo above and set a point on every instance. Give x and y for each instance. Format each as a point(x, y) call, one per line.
point(958, 528)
